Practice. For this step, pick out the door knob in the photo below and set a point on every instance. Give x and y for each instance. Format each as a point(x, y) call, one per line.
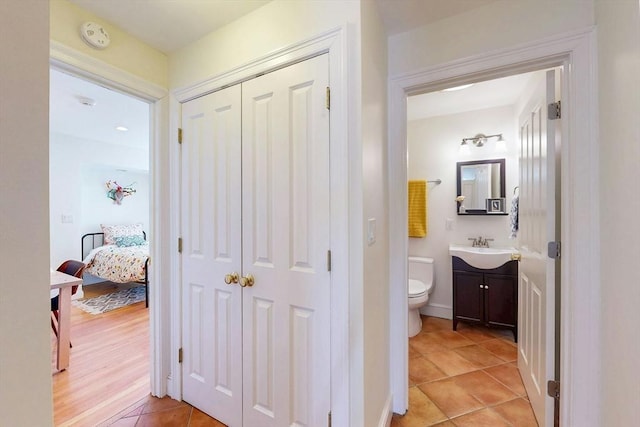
point(231, 278)
point(247, 280)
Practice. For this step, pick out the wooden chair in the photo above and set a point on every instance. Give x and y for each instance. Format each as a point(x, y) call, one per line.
point(72, 268)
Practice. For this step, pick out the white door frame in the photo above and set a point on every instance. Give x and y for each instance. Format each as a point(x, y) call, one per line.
point(74, 62)
point(580, 282)
point(333, 43)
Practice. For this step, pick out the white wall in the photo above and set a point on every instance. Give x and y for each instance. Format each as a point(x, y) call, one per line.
point(25, 352)
point(79, 170)
point(433, 147)
point(375, 206)
point(619, 75)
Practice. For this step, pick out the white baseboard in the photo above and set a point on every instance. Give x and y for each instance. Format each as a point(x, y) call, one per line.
point(438, 310)
point(387, 413)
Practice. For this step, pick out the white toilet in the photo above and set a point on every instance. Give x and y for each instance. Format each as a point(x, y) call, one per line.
point(420, 286)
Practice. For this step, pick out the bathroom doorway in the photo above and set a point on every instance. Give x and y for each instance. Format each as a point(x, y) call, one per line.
point(579, 159)
point(439, 358)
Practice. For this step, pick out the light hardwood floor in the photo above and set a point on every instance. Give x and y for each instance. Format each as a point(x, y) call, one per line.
point(109, 364)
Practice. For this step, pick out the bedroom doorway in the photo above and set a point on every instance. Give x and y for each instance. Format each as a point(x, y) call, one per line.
point(99, 138)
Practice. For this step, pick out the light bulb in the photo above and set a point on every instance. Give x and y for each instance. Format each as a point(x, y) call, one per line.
point(501, 145)
point(464, 148)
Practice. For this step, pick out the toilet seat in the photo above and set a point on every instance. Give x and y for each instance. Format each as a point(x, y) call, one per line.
point(417, 288)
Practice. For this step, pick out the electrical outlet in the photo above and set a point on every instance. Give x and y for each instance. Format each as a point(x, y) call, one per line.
point(448, 224)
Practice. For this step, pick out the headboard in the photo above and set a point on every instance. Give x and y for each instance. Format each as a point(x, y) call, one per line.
point(90, 241)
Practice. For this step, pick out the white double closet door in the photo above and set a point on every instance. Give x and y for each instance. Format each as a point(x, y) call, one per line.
point(255, 201)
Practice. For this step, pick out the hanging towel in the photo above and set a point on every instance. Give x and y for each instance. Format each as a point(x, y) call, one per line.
point(417, 208)
point(514, 216)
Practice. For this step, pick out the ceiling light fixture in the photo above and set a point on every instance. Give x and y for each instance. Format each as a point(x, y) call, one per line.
point(84, 100)
point(122, 128)
point(453, 89)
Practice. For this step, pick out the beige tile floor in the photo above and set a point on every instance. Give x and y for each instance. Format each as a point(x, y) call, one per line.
point(464, 378)
point(166, 412)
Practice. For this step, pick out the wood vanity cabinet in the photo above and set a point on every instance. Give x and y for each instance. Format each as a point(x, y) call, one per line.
point(486, 296)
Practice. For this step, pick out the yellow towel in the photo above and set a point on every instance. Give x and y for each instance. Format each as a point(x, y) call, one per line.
point(417, 208)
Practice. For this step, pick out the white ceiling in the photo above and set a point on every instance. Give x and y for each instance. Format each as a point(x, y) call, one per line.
point(488, 94)
point(68, 116)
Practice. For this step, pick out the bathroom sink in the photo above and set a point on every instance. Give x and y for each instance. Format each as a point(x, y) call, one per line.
point(485, 258)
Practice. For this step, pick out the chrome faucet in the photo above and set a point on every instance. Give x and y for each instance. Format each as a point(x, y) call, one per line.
point(480, 242)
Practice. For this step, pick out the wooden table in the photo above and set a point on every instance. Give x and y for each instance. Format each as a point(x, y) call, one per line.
point(63, 282)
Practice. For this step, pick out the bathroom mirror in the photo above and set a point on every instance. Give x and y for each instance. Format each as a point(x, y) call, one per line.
point(482, 185)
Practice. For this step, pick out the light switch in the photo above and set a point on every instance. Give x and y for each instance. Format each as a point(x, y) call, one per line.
point(67, 219)
point(448, 224)
point(371, 231)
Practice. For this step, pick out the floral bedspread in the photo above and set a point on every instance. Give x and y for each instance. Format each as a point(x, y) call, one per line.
point(118, 264)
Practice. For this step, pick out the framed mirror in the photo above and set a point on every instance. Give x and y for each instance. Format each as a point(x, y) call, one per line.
point(481, 187)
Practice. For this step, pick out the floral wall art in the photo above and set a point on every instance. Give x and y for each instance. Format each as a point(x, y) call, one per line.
point(117, 193)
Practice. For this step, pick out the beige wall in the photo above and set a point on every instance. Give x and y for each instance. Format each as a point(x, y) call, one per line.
point(507, 23)
point(499, 24)
point(25, 352)
point(276, 25)
point(375, 205)
point(618, 26)
point(124, 52)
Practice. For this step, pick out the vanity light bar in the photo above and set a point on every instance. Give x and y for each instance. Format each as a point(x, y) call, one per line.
point(481, 138)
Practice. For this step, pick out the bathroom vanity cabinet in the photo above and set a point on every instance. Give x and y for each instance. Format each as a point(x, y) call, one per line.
point(486, 296)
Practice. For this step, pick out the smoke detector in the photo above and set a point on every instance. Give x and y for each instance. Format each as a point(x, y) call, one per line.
point(95, 35)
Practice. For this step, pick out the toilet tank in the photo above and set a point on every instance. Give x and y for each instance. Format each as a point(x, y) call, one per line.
point(421, 268)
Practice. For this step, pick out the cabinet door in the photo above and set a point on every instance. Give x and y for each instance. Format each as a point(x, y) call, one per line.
point(467, 296)
point(500, 300)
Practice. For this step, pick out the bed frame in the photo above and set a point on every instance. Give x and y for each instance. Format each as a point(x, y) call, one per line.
point(91, 241)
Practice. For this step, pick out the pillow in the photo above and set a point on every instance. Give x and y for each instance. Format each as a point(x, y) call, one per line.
point(125, 241)
point(113, 231)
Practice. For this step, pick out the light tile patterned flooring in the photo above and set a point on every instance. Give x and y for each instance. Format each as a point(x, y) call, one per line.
point(467, 377)
point(154, 412)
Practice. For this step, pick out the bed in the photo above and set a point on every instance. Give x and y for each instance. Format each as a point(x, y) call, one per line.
point(120, 254)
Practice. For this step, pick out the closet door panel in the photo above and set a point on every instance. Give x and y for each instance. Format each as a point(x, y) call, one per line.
point(210, 228)
point(261, 193)
point(285, 242)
